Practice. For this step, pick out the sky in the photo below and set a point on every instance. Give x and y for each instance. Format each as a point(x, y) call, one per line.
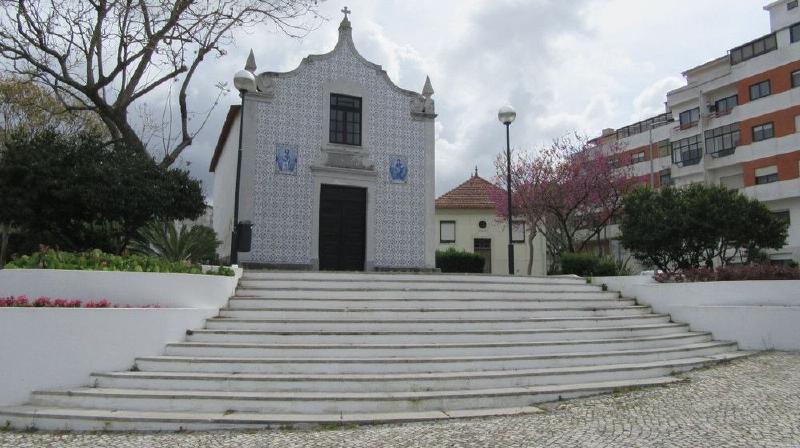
point(564, 65)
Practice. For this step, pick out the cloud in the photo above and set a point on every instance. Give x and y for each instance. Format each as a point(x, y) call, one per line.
point(651, 100)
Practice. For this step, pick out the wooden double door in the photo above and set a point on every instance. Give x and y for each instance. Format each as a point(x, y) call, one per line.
point(342, 228)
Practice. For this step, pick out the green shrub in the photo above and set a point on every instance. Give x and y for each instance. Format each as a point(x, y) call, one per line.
point(454, 260)
point(97, 260)
point(584, 265)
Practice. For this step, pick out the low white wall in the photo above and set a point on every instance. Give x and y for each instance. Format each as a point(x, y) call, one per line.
point(43, 348)
point(758, 315)
point(121, 288)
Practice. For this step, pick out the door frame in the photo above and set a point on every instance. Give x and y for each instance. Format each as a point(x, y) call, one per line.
point(351, 199)
point(345, 177)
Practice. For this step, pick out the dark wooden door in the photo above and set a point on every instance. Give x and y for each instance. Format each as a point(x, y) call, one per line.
point(483, 247)
point(342, 228)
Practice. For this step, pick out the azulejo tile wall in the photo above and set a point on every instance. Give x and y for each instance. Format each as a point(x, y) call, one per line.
point(283, 205)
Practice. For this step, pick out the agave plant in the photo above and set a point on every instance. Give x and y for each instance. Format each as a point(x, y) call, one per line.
point(176, 243)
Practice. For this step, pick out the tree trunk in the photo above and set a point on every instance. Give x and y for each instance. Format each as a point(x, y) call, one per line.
point(5, 231)
point(530, 251)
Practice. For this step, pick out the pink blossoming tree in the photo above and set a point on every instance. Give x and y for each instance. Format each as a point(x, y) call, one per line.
point(568, 191)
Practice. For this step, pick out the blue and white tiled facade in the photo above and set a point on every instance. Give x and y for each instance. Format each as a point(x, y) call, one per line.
point(290, 111)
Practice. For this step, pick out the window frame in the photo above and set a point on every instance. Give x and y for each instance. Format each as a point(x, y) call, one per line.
point(767, 179)
point(661, 175)
point(347, 110)
point(753, 49)
point(514, 223)
point(784, 215)
point(794, 33)
point(692, 123)
point(638, 157)
point(791, 5)
point(688, 145)
point(766, 82)
point(441, 235)
point(763, 136)
point(719, 111)
point(718, 136)
point(795, 78)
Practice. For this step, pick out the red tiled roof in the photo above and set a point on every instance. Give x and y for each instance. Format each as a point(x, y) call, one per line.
point(474, 193)
point(233, 113)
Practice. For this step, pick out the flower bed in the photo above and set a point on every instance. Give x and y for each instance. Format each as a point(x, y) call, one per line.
point(97, 260)
point(46, 302)
point(730, 273)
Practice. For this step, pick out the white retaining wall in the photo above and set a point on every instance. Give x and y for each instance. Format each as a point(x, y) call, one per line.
point(121, 288)
point(758, 315)
point(45, 348)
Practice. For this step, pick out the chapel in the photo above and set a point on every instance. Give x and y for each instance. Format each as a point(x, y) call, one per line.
point(335, 168)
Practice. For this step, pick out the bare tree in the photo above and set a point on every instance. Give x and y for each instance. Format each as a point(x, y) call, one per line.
point(105, 55)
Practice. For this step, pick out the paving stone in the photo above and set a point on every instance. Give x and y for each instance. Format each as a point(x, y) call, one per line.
point(754, 402)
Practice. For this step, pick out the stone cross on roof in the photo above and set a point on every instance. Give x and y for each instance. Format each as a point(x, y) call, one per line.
point(346, 11)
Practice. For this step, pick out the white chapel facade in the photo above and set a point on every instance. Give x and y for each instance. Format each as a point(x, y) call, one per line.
point(337, 169)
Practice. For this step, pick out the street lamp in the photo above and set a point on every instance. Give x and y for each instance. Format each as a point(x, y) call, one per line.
point(506, 115)
point(244, 81)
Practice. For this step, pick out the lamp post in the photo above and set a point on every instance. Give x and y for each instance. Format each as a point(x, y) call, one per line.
point(244, 81)
point(506, 115)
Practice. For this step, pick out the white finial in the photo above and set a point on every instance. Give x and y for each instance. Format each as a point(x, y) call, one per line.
point(427, 90)
point(346, 11)
point(250, 65)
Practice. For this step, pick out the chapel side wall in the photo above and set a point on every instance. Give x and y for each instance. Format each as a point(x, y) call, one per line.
point(223, 191)
point(283, 205)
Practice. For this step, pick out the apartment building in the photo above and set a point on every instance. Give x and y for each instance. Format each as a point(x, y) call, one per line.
point(734, 123)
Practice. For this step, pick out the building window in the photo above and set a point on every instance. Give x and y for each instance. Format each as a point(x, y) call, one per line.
point(796, 79)
point(638, 157)
point(665, 177)
point(795, 32)
point(687, 151)
point(791, 5)
point(690, 118)
point(755, 48)
point(763, 132)
point(766, 175)
point(723, 140)
point(760, 90)
point(447, 231)
point(345, 126)
point(783, 216)
point(518, 232)
point(663, 148)
point(725, 105)
point(482, 224)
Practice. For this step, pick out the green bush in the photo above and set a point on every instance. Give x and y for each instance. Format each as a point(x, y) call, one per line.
point(454, 260)
point(584, 265)
point(97, 260)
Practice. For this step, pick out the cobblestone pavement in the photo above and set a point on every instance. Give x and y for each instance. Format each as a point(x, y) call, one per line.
point(754, 402)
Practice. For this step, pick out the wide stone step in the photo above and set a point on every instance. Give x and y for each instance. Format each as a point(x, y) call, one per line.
point(409, 277)
point(553, 302)
point(78, 419)
point(419, 294)
point(243, 382)
point(418, 364)
point(210, 349)
point(434, 313)
point(429, 324)
point(322, 402)
point(246, 283)
point(421, 337)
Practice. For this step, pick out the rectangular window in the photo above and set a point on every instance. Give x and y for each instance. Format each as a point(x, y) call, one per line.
point(795, 32)
point(690, 118)
point(638, 157)
point(663, 148)
point(763, 132)
point(345, 123)
point(518, 232)
point(796, 79)
point(723, 140)
point(753, 49)
point(766, 175)
point(784, 216)
point(447, 231)
point(760, 90)
point(725, 105)
point(687, 151)
point(791, 5)
point(665, 177)
point(734, 182)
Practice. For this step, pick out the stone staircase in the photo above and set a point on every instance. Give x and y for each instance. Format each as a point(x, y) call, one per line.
point(320, 348)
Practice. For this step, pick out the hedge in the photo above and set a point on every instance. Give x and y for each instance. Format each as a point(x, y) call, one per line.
point(585, 265)
point(454, 260)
